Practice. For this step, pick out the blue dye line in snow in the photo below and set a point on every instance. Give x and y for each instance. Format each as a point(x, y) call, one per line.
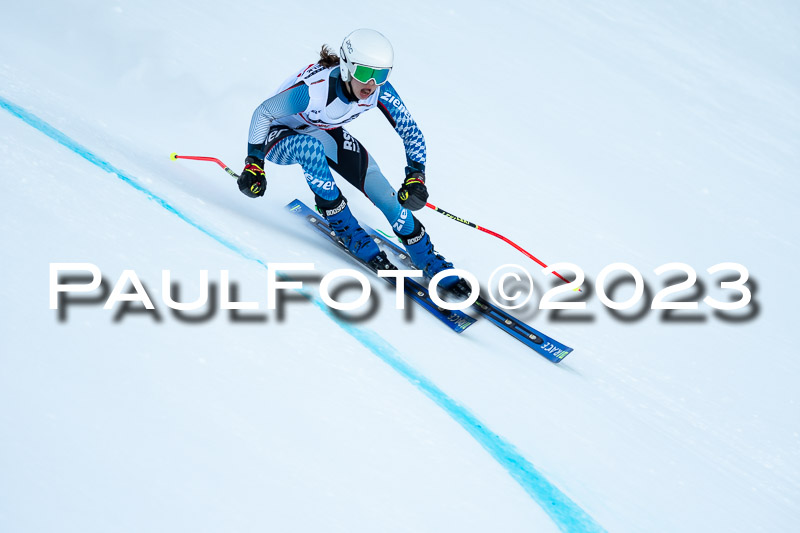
point(566, 514)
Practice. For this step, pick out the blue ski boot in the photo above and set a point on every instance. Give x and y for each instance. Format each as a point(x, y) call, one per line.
point(342, 221)
point(419, 247)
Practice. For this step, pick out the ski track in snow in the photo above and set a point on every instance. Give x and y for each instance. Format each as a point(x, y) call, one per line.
point(565, 513)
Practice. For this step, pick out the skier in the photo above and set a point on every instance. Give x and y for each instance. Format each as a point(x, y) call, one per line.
point(302, 123)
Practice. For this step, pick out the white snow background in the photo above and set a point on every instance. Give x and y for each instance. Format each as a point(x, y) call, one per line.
point(637, 132)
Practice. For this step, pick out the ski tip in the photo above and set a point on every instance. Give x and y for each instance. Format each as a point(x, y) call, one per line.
point(173, 156)
point(294, 205)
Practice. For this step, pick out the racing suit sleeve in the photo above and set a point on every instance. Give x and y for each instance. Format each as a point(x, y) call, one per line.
point(400, 118)
point(291, 101)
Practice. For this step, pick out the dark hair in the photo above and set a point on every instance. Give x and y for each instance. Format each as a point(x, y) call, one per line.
point(327, 58)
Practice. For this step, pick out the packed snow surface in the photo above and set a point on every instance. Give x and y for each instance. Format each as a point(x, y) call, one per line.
point(591, 134)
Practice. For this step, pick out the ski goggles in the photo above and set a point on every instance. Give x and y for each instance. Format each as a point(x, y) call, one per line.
point(364, 74)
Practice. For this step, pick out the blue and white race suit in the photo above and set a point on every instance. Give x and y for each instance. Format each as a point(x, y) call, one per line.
point(302, 124)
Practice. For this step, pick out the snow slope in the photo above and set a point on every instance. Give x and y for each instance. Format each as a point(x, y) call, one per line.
point(630, 133)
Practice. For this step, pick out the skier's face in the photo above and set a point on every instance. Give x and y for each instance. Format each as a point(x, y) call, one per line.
point(362, 91)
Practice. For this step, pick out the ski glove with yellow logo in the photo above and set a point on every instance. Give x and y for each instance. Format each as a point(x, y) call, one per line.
point(413, 194)
point(252, 181)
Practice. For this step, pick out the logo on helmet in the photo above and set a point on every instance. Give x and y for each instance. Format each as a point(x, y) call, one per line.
point(349, 46)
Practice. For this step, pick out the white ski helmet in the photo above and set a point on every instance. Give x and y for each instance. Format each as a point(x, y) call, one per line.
point(366, 55)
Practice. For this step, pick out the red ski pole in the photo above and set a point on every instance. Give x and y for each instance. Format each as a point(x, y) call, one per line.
point(493, 234)
point(175, 156)
point(225, 167)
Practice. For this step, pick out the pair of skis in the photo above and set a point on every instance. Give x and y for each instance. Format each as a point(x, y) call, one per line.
point(458, 321)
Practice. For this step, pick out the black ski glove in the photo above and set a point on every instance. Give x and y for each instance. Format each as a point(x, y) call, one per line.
point(252, 181)
point(413, 194)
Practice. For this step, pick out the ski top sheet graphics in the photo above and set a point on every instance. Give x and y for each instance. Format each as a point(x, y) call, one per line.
point(455, 320)
point(544, 345)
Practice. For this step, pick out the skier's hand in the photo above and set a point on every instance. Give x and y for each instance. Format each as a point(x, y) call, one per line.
point(252, 181)
point(413, 194)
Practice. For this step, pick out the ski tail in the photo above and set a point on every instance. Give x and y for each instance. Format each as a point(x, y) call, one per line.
point(455, 320)
point(544, 345)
